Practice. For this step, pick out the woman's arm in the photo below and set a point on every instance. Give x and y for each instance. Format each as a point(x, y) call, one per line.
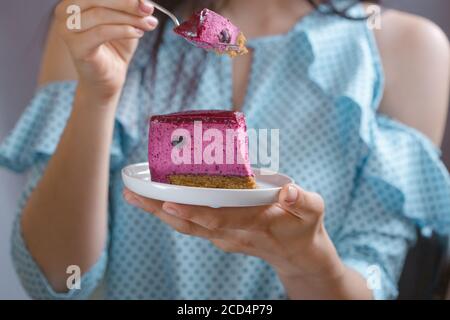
point(416, 60)
point(65, 219)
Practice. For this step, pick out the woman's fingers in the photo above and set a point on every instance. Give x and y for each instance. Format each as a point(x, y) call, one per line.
point(155, 207)
point(301, 203)
point(222, 218)
point(244, 242)
point(226, 240)
point(102, 21)
point(185, 226)
point(148, 205)
point(90, 40)
point(135, 7)
point(229, 240)
point(105, 16)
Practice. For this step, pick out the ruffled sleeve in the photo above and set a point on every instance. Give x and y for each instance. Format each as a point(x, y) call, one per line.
point(402, 184)
point(37, 133)
point(399, 182)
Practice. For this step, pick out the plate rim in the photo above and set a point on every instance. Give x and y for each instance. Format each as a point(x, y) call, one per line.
point(173, 186)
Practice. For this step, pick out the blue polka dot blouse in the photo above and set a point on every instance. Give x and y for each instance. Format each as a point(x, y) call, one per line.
point(321, 85)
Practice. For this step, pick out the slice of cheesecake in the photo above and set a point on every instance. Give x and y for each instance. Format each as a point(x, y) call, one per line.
point(200, 149)
point(208, 30)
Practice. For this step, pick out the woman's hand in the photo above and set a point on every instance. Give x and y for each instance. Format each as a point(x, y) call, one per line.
point(102, 49)
point(289, 235)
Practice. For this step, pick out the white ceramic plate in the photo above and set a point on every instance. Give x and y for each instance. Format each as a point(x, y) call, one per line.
point(136, 178)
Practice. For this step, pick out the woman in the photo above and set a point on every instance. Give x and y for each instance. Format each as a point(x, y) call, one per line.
point(316, 73)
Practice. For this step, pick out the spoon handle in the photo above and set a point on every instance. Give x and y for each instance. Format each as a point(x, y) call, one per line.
point(167, 12)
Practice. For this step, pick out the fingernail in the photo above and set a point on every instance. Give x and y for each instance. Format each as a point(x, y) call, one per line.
point(292, 195)
point(131, 199)
point(145, 7)
point(151, 21)
point(171, 211)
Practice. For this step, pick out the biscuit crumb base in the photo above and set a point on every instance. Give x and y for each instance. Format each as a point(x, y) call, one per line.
point(220, 182)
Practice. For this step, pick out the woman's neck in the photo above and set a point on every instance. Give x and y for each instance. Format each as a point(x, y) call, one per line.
point(258, 18)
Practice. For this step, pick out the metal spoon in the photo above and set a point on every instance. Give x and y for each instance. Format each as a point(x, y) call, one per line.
point(167, 12)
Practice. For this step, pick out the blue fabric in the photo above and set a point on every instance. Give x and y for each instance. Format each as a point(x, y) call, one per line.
point(321, 84)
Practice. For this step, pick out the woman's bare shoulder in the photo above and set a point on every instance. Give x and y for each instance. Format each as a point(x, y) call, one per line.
point(56, 62)
point(416, 60)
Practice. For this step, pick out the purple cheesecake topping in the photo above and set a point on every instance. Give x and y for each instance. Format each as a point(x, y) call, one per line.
point(162, 142)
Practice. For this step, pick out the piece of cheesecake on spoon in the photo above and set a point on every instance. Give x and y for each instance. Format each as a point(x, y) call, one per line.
point(209, 30)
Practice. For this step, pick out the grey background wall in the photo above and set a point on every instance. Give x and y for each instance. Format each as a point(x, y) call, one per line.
point(22, 28)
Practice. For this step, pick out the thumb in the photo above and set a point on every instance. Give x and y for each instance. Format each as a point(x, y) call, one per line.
point(301, 203)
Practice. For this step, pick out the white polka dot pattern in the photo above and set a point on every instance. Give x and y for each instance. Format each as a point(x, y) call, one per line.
point(320, 84)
